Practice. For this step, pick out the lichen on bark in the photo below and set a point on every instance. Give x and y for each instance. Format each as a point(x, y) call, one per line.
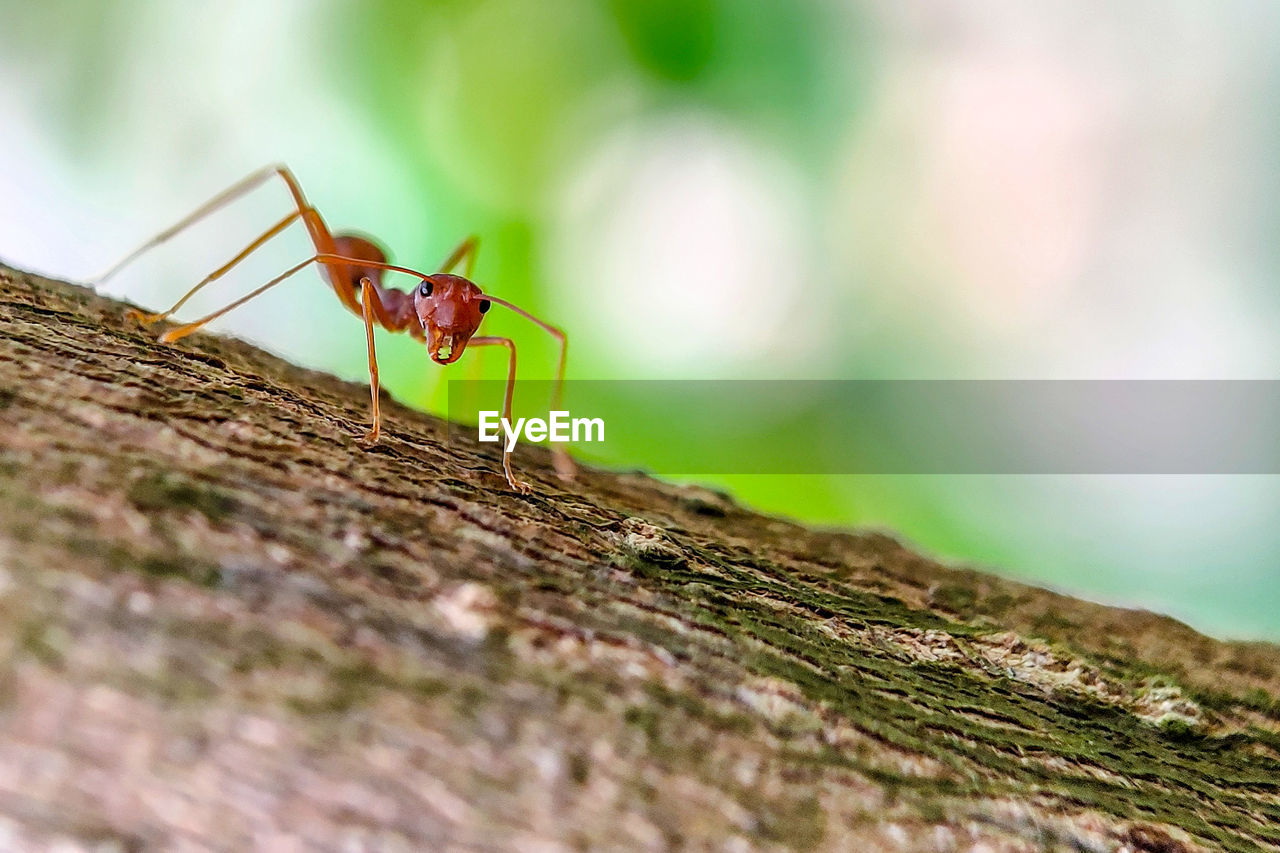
point(225, 624)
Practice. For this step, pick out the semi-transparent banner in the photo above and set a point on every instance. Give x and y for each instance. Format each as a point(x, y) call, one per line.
point(690, 427)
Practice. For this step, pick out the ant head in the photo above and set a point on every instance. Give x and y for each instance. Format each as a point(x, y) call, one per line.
point(450, 309)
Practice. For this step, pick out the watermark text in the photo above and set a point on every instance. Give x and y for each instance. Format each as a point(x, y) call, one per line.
point(560, 427)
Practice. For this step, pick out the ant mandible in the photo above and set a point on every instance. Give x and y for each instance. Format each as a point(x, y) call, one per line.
point(444, 310)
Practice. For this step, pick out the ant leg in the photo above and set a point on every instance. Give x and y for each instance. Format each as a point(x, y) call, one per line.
point(178, 332)
point(367, 297)
point(372, 311)
point(566, 469)
point(466, 249)
point(316, 229)
point(148, 319)
point(225, 197)
point(379, 312)
point(486, 341)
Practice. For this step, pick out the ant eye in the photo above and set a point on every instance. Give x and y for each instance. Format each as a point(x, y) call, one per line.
point(425, 288)
point(484, 305)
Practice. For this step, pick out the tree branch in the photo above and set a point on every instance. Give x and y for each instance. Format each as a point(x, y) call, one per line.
point(225, 624)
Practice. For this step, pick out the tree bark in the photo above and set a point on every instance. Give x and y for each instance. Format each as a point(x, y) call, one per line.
point(226, 625)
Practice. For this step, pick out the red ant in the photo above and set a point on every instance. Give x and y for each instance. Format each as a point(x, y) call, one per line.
point(444, 310)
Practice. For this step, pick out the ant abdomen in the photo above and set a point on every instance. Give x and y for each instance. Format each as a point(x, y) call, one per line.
point(361, 248)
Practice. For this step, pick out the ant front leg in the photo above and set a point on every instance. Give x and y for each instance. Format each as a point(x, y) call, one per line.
point(367, 296)
point(487, 341)
point(566, 468)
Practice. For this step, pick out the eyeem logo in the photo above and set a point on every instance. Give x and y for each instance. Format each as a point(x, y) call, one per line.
point(561, 428)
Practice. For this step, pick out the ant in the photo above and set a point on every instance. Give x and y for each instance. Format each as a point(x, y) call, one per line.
point(443, 311)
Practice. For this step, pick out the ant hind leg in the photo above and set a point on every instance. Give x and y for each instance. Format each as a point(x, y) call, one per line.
point(147, 319)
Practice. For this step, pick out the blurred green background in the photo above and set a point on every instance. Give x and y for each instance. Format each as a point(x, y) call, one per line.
point(727, 189)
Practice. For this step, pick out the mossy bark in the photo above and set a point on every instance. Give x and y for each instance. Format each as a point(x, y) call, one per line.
point(224, 624)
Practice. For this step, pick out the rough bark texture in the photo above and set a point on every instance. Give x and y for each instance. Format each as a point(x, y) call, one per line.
point(225, 625)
